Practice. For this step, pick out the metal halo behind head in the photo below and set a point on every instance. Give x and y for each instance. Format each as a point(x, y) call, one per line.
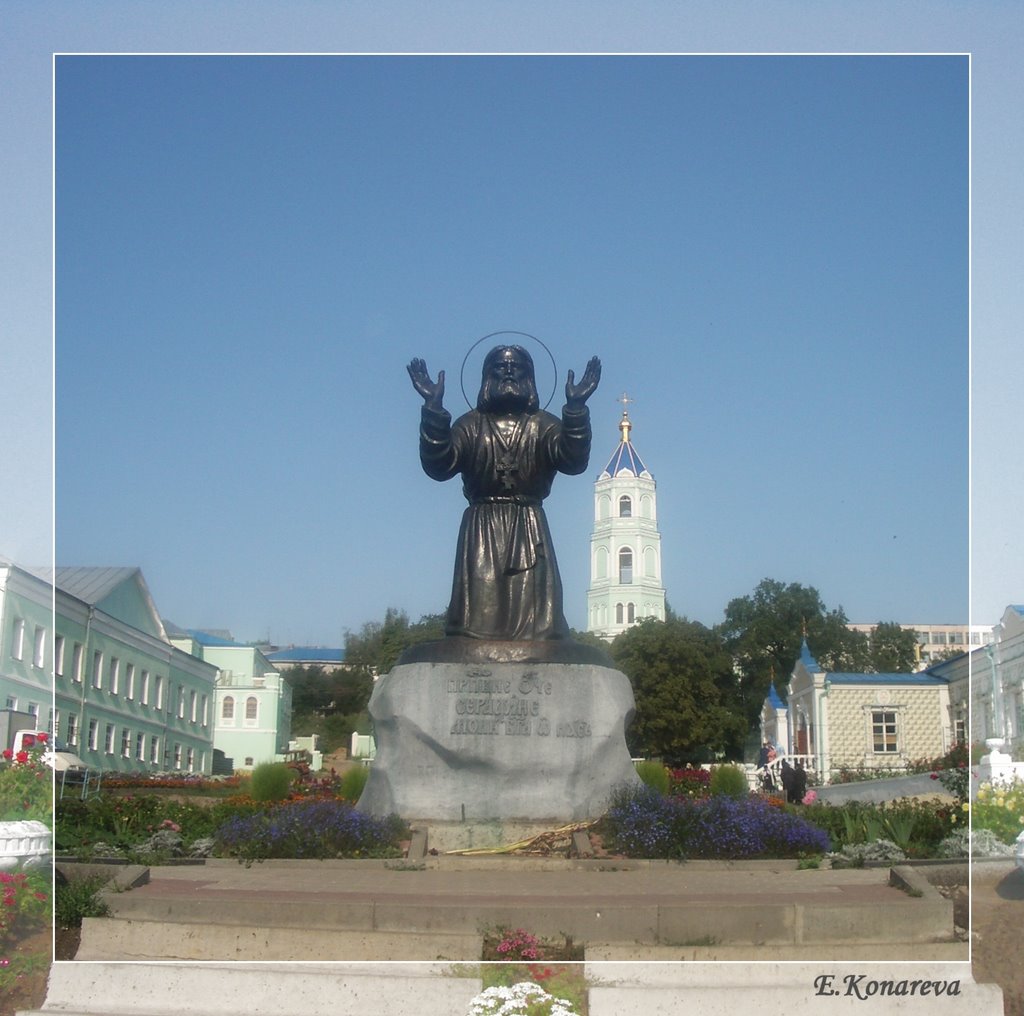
point(525, 335)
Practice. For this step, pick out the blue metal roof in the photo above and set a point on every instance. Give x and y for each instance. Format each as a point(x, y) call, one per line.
point(204, 638)
point(626, 457)
point(807, 659)
point(307, 654)
point(773, 698)
point(922, 678)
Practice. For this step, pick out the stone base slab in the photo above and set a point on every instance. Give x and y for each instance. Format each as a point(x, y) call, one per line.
point(475, 743)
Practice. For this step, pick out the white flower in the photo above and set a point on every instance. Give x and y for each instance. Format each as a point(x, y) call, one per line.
point(501, 1001)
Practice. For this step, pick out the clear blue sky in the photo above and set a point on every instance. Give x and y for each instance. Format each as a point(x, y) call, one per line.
point(769, 254)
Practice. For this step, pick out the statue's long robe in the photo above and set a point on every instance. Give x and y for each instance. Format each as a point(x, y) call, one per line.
point(506, 583)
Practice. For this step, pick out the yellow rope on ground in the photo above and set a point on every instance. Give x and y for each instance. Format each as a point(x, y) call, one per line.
point(542, 843)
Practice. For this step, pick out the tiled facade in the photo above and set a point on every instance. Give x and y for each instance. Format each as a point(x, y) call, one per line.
point(860, 721)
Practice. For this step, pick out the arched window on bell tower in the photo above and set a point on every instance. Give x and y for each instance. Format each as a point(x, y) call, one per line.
point(625, 566)
point(625, 507)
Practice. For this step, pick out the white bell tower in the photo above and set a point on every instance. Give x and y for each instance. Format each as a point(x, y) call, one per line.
point(625, 548)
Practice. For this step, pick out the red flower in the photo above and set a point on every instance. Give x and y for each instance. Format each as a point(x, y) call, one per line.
point(43, 737)
point(22, 756)
point(8, 754)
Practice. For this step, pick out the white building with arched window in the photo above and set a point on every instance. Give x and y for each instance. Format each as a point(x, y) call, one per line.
point(253, 703)
point(625, 548)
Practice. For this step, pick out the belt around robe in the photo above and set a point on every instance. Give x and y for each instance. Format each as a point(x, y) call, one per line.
point(520, 499)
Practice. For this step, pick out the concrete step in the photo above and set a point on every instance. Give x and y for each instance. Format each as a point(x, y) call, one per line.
point(224, 913)
point(616, 989)
point(847, 952)
point(105, 938)
point(255, 989)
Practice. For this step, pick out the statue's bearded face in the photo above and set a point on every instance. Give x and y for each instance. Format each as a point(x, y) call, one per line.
point(508, 383)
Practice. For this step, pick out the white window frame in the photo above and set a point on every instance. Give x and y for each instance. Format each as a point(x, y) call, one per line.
point(18, 640)
point(39, 647)
point(881, 732)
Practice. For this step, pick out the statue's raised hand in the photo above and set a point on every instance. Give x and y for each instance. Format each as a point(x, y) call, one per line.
point(433, 394)
point(576, 395)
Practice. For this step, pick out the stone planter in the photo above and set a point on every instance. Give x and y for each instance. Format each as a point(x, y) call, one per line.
point(24, 845)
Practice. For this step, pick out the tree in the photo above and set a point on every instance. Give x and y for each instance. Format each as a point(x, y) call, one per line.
point(763, 634)
point(682, 681)
point(311, 688)
point(378, 645)
point(893, 648)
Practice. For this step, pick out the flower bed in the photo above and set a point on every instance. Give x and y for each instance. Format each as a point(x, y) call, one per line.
point(310, 829)
point(24, 909)
point(1000, 809)
point(643, 823)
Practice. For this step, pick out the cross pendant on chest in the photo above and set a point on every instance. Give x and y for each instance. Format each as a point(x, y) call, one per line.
point(507, 465)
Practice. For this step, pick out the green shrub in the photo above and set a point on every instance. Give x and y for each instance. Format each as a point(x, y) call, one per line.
point(729, 780)
point(126, 822)
point(77, 898)
point(655, 775)
point(918, 827)
point(271, 781)
point(352, 782)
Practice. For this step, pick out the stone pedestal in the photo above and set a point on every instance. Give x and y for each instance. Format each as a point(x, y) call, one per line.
point(477, 742)
point(24, 844)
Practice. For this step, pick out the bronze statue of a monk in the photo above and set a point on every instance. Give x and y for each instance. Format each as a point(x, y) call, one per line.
point(508, 450)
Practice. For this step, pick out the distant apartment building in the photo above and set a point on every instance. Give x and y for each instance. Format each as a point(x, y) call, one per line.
point(937, 642)
point(324, 657)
